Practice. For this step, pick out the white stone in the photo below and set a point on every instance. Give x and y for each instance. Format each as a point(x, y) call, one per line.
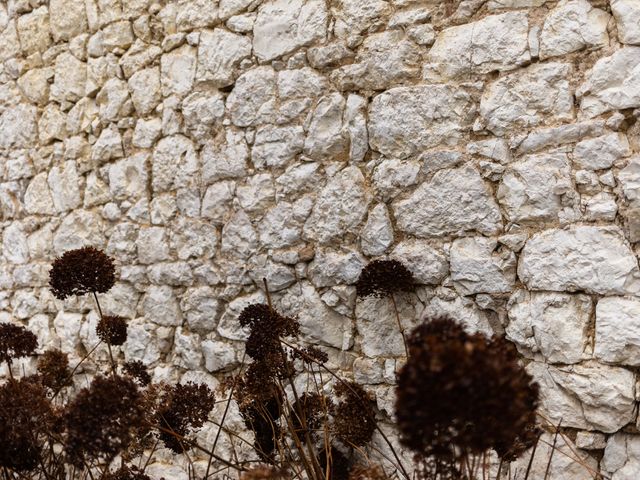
point(144, 86)
point(225, 158)
point(239, 238)
point(590, 441)
point(528, 98)
point(532, 190)
point(201, 111)
point(177, 71)
point(65, 187)
point(612, 84)
point(377, 234)
point(303, 301)
point(589, 396)
point(601, 152)
point(152, 245)
point(175, 274)
point(193, 238)
point(428, 264)
point(627, 16)
point(335, 267)
point(463, 309)
point(601, 207)
point(621, 460)
point(186, 350)
point(355, 16)
point(35, 86)
point(128, 177)
point(18, 126)
point(68, 18)
point(194, 14)
point(14, 244)
point(37, 197)
point(252, 100)
point(392, 177)
point(326, 137)
point(107, 147)
point(217, 199)
point(200, 308)
point(571, 26)
point(589, 258)
point(276, 146)
point(340, 207)
point(175, 164)
point(404, 121)
point(453, 201)
point(497, 42)
point(478, 266)
point(52, 125)
point(282, 26)
point(33, 31)
point(556, 325)
point(277, 275)
point(617, 336)
point(160, 306)
point(218, 356)
point(147, 132)
point(142, 342)
point(282, 225)
point(219, 54)
point(70, 78)
point(629, 178)
point(67, 327)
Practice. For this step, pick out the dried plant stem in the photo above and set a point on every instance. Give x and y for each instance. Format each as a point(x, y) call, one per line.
point(400, 327)
point(113, 363)
point(553, 449)
point(76, 368)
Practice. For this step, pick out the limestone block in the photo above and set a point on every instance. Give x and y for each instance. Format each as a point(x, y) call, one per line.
point(377, 234)
point(572, 26)
point(152, 245)
point(177, 70)
point(497, 42)
point(555, 325)
point(68, 19)
point(219, 54)
point(621, 459)
point(225, 158)
point(404, 121)
point(453, 201)
point(282, 26)
point(78, 229)
point(175, 164)
point(589, 258)
point(252, 100)
point(276, 146)
point(144, 86)
point(601, 152)
point(627, 16)
point(477, 266)
point(618, 331)
point(428, 264)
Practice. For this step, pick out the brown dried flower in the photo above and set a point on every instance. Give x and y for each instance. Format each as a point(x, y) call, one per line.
point(112, 329)
point(461, 394)
point(260, 411)
point(25, 417)
point(104, 419)
point(138, 371)
point(354, 416)
point(382, 278)
point(184, 408)
point(311, 354)
point(266, 328)
point(81, 271)
point(15, 342)
point(307, 414)
point(126, 473)
point(53, 369)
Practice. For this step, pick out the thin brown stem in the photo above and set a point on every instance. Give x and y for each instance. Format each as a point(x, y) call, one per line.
point(400, 327)
point(113, 363)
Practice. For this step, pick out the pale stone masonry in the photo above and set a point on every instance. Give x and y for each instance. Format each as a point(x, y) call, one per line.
point(493, 146)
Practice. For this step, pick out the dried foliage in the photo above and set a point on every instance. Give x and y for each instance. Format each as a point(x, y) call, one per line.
point(183, 408)
point(26, 415)
point(15, 342)
point(461, 394)
point(104, 419)
point(112, 329)
point(80, 271)
point(126, 473)
point(382, 278)
point(53, 370)
point(355, 419)
point(137, 370)
point(369, 472)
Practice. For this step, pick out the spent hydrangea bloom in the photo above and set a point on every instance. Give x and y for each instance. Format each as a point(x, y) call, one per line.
point(463, 393)
point(16, 342)
point(112, 329)
point(80, 271)
point(382, 278)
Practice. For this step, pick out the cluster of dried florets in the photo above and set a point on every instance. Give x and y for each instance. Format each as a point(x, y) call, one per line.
point(463, 394)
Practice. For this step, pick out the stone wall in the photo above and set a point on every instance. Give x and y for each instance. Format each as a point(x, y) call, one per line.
point(492, 145)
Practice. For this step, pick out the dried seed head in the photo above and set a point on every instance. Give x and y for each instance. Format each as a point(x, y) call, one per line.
point(126, 473)
point(112, 329)
point(81, 271)
point(183, 409)
point(311, 354)
point(307, 414)
point(138, 371)
point(104, 419)
point(382, 278)
point(53, 369)
point(354, 416)
point(26, 416)
point(463, 394)
point(15, 342)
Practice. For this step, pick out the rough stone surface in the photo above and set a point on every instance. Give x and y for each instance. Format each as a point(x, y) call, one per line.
point(491, 146)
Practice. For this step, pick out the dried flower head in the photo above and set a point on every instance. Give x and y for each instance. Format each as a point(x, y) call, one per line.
point(368, 472)
point(15, 342)
point(81, 271)
point(382, 278)
point(266, 327)
point(354, 416)
point(53, 369)
point(462, 394)
point(311, 354)
point(185, 407)
point(138, 371)
point(25, 417)
point(260, 411)
point(335, 462)
point(112, 329)
point(126, 473)
point(307, 414)
point(104, 419)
